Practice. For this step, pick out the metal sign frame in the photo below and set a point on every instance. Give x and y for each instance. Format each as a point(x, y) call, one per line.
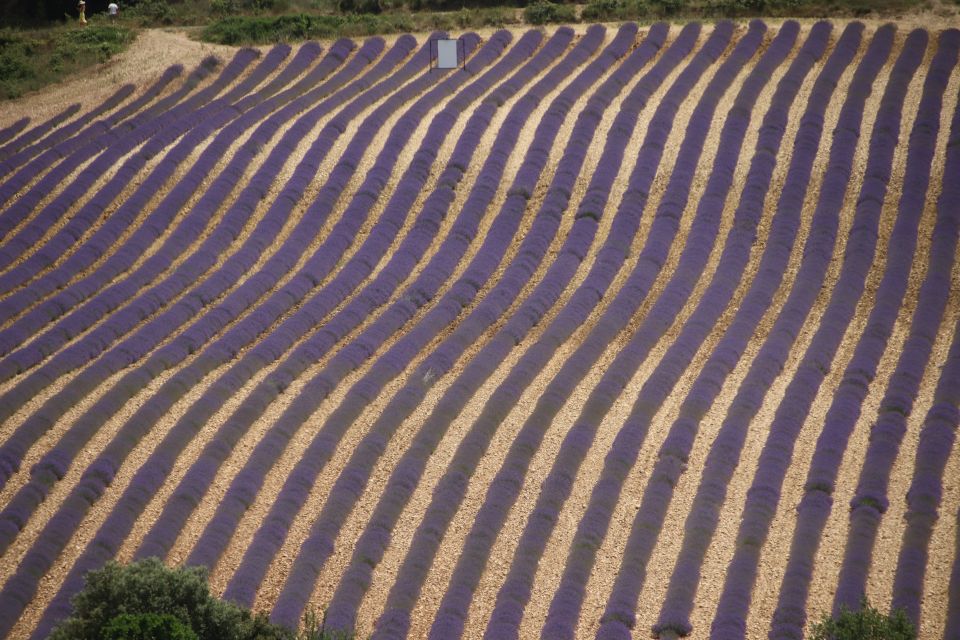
point(435, 53)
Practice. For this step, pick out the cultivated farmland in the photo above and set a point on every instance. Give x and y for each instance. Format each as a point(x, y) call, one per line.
point(613, 330)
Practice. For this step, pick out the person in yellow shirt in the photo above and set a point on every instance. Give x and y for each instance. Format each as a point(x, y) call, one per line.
point(82, 8)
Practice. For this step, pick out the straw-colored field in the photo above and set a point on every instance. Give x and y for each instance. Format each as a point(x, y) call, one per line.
point(612, 330)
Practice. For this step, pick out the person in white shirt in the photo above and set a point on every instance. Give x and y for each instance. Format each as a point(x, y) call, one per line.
point(113, 10)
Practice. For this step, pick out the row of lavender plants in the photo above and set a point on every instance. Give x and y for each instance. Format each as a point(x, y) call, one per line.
point(948, 406)
point(186, 428)
point(619, 616)
point(349, 485)
point(815, 505)
point(374, 294)
point(117, 254)
point(108, 240)
point(7, 135)
point(568, 599)
point(195, 128)
point(106, 151)
point(395, 621)
point(938, 434)
point(763, 497)
point(870, 500)
point(151, 333)
point(369, 549)
point(514, 593)
point(37, 132)
point(724, 453)
point(506, 485)
point(68, 137)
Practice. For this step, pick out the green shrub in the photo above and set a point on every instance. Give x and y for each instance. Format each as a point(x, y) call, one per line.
point(237, 30)
point(610, 10)
point(147, 626)
point(147, 593)
point(547, 12)
point(865, 624)
point(667, 7)
point(224, 7)
point(360, 6)
point(151, 12)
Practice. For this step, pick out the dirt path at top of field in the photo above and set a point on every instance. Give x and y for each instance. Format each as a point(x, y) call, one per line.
point(143, 62)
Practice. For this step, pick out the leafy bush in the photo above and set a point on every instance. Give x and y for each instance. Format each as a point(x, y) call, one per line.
point(360, 6)
point(147, 626)
point(546, 12)
point(224, 7)
point(146, 597)
point(610, 10)
point(667, 7)
point(152, 12)
point(865, 624)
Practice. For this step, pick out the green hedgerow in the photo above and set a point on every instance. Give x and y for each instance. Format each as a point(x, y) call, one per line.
point(547, 12)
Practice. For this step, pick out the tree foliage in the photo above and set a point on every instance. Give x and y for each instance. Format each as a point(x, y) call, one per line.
point(864, 624)
point(146, 600)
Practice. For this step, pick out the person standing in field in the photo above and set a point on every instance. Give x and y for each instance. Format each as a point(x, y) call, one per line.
point(112, 11)
point(82, 8)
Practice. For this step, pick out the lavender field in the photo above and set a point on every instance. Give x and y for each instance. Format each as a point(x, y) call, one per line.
point(617, 330)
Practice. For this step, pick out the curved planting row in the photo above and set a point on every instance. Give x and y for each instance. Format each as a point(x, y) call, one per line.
point(702, 517)
point(369, 550)
point(37, 132)
point(565, 606)
point(348, 487)
point(111, 147)
point(514, 594)
point(938, 433)
point(228, 345)
point(9, 132)
point(120, 258)
point(763, 495)
point(845, 409)
point(373, 295)
point(278, 320)
point(104, 468)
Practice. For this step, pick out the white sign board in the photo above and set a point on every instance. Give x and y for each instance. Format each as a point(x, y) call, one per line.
point(447, 54)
